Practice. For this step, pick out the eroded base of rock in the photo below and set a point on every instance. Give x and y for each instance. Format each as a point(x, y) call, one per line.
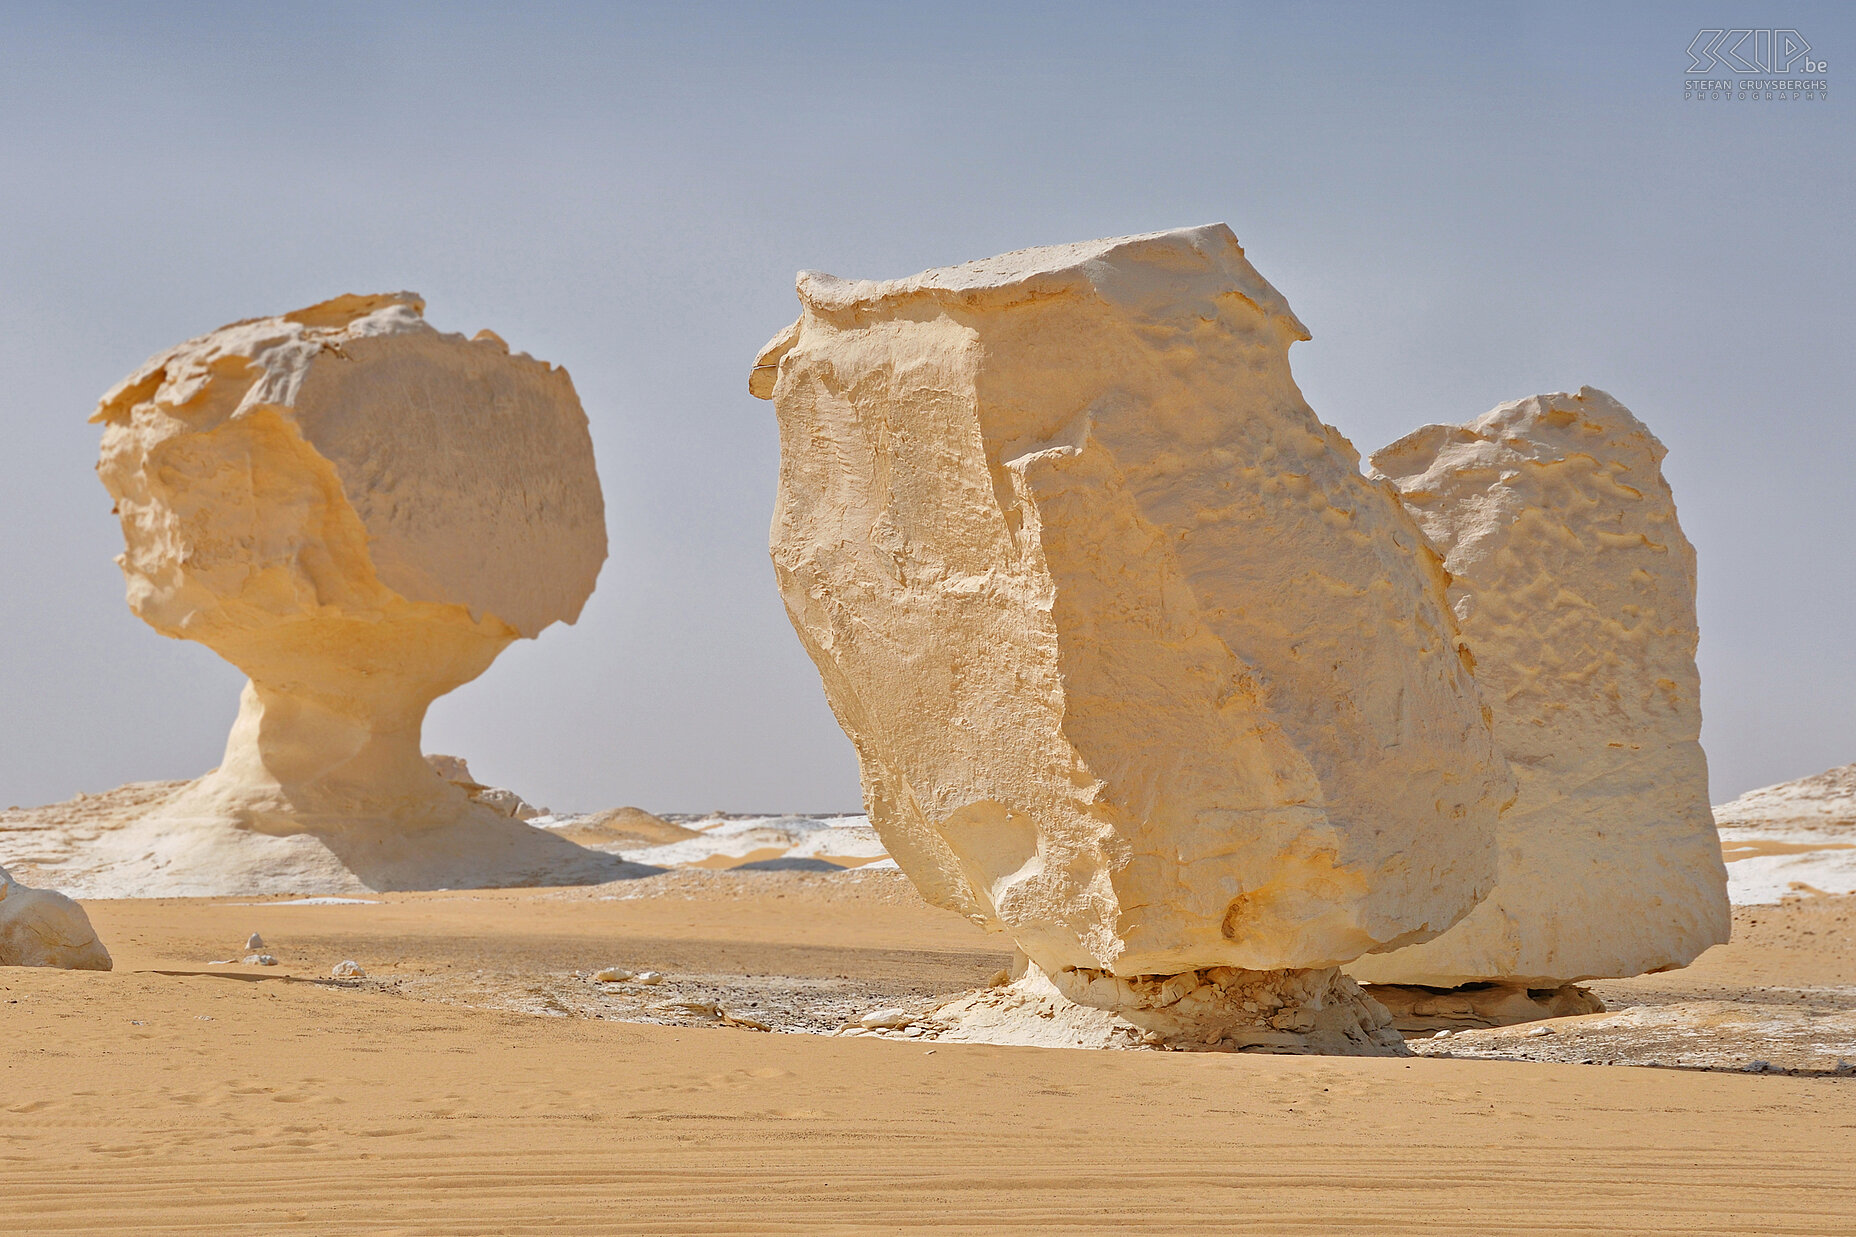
point(1222, 1009)
point(1415, 1008)
point(179, 840)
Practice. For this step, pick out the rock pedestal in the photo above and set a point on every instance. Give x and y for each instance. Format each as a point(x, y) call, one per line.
point(1138, 666)
point(1575, 589)
point(360, 513)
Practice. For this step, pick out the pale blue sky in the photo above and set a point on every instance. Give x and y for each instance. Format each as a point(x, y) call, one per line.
point(1466, 204)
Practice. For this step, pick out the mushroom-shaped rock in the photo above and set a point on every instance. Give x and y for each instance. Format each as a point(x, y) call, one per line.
point(42, 927)
point(1575, 589)
point(360, 513)
point(1138, 666)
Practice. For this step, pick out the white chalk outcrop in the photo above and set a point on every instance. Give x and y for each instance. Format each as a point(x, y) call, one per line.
point(1575, 589)
point(456, 770)
point(42, 927)
point(360, 513)
point(1138, 666)
point(1794, 838)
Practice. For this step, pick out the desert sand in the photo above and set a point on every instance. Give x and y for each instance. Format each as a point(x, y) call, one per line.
point(477, 1082)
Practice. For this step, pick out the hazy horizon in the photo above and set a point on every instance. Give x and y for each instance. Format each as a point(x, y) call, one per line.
point(1466, 205)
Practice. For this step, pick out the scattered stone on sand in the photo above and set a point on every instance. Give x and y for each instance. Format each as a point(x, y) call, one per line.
point(260, 960)
point(1575, 590)
point(254, 942)
point(349, 969)
point(891, 1019)
point(360, 513)
point(1221, 719)
point(613, 975)
point(42, 927)
point(649, 979)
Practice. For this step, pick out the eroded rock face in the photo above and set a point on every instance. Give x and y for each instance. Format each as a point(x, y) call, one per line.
point(360, 513)
point(1137, 664)
point(42, 927)
point(1575, 589)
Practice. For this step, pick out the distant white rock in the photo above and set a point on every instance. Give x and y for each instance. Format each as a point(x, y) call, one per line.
point(885, 1020)
point(1795, 837)
point(254, 942)
point(42, 927)
point(613, 975)
point(727, 841)
point(348, 970)
point(260, 960)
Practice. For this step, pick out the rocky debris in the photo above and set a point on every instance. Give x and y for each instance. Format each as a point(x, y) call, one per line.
point(1575, 591)
point(648, 979)
point(1221, 1009)
point(890, 1019)
point(1220, 718)
point(360, 513)
point(42, 927)
point(1688, 1034)
point(259, 960)
point(347, 970)
point(254, 942)
point(613, 975)
point(1415, 1008)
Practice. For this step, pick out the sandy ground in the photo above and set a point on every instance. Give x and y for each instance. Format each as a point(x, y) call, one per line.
point(476, 1082)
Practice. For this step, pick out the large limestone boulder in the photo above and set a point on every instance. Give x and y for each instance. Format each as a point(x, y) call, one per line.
point(1138, 666)
point(1575, 589)
point(360, 513)
point(42, 927)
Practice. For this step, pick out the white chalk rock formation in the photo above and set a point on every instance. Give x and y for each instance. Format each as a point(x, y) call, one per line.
point(1794, 838)
point(360, 513)
point(1575, 589)
point(456, 770)
point(42, 927)
point(1138, 666)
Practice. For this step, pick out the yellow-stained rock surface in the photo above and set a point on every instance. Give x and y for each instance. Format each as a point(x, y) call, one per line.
point(1575, 589)
point(359, 512)
point(1137, 664)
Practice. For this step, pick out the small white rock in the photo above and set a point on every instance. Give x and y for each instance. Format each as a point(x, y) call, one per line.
point(255, 942)
point(348, 970)
point(649, 979)
point(1537, 1032)
point(885, 1020)
point(1444, 1034)
point(260, 960)
point(612, 975)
